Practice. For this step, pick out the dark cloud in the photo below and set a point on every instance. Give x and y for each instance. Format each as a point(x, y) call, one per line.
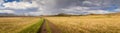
point(57, 6)
point(74, 6)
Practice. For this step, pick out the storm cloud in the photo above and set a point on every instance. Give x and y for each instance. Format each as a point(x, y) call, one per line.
point(74, 7)
point(77, 7)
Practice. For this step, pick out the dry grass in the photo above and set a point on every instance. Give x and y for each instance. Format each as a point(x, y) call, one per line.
point(16, 24)
point(87, 24)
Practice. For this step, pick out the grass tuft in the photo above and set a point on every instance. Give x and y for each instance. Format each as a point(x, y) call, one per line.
point(33, 28)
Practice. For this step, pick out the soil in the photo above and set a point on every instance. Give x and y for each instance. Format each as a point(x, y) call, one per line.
point(43, 28)
point(53, 28)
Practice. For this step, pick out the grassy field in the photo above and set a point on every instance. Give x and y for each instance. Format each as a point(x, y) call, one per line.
point(87, 24)
point(20, 24)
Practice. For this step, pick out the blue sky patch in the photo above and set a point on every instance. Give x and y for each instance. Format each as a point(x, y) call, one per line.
point(11, 1)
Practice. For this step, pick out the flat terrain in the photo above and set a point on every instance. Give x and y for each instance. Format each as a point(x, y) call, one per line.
point(61, 24)
point(19, 24)
point(87, 24)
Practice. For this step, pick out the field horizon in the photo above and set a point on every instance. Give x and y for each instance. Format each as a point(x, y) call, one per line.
point(59, 16)
point(108, 23)
point(87, 24)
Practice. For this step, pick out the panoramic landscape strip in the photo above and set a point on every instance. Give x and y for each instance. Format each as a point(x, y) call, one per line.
point(59, 16)
point(61, 24)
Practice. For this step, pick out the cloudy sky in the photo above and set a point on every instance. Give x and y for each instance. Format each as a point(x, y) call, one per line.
point(54, 7)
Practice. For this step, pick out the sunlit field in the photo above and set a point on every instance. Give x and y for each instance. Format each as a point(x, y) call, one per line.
point(87, 24)
point(19, 24)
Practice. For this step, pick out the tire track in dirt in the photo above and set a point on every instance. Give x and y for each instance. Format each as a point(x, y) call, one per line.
point(43, 29)
point(53, 27)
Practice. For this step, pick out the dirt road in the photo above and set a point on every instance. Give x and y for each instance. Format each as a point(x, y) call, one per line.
point(43, 28)
point(53, 28)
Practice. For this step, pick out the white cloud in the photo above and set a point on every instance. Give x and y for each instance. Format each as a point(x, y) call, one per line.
point(118, 9)
point(6, 11)
point(38, 13)
point(77, 8)
point(87, 2)
point(1, 1)
point(91, 3)
point(98, 12)
point(33, 13)
point(20, 5)
point(84, 10)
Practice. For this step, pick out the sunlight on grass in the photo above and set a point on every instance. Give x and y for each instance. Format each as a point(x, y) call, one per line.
point(17, 24)
point(87, 24)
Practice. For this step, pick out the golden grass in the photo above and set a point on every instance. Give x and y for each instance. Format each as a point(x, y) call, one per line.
point(87, 24)
point(16, 24)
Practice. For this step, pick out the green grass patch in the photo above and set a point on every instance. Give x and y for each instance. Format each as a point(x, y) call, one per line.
point(33, 28)
point(48, 28)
